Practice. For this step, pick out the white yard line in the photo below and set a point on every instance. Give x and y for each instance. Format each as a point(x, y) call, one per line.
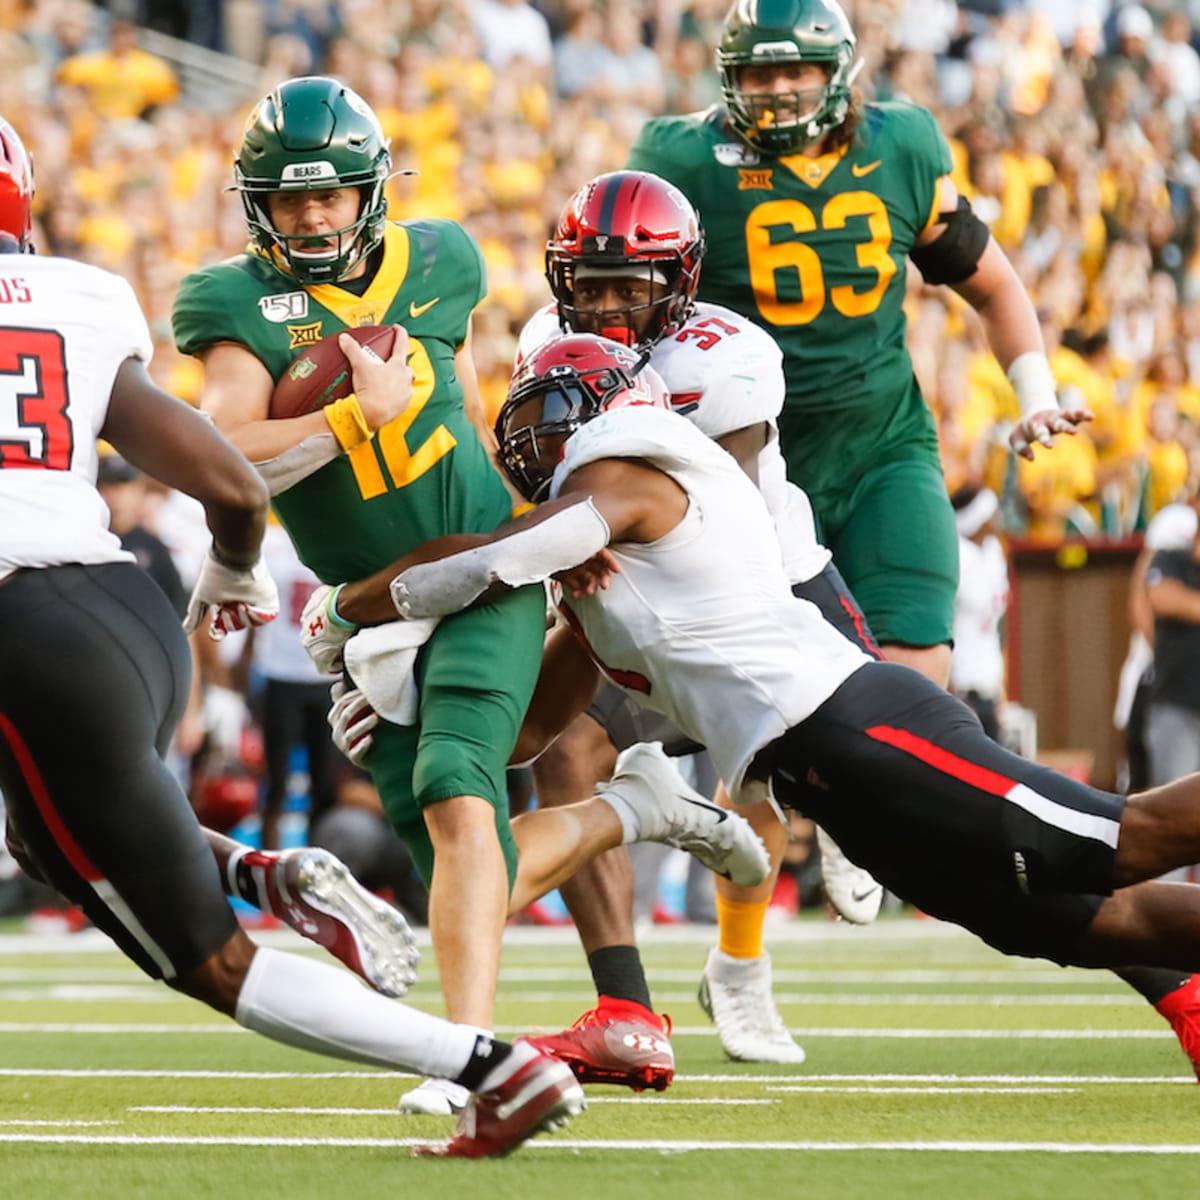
point(777, 1080)
point(137, 1030)
point(660, 1146)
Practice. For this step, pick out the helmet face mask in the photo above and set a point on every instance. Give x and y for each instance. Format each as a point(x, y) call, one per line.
point(564, 384)
point(627, 225)
point(763, 33)
point(16, 192)
point(314, 134)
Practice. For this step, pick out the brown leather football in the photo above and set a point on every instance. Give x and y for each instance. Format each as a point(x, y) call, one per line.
point(320, 373)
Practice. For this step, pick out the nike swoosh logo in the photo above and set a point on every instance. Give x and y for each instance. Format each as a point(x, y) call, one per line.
point(415, 310)
point(722, 813)
point(858, 172)
point(859, 897)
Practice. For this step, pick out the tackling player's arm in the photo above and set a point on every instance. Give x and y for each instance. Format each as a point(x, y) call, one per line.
point(602, 503)
point(959, 251)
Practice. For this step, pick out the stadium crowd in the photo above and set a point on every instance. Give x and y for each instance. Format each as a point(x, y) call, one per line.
point(1075, 129)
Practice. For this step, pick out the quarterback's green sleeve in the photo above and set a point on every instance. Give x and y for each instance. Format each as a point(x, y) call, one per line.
point(201, 316)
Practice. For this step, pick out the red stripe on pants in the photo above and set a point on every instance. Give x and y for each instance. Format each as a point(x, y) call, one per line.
point(942, 760)
point(41, 797)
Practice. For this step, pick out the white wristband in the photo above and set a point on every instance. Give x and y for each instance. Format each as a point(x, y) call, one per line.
point(568, 538)
point(1033, 382)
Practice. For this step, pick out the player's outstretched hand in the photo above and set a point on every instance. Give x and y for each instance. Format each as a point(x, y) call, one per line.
point(236, 597)
point(590, 577)
point(383, 387)
point(1041, 427)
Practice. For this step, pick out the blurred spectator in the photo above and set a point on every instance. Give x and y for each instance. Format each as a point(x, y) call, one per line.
point(123, 488)
point(977, 665)
point(580, 55)
point(293, 697)
point(511, 30)
point(315, 23)
point(122, 80)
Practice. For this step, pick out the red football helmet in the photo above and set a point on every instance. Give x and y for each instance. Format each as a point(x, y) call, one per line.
point(628, 223)
point(16, 190)
point(563, 384)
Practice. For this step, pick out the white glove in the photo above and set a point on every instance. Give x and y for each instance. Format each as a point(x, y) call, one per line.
point(323, 632)
point(352, 719)
point(238, 597)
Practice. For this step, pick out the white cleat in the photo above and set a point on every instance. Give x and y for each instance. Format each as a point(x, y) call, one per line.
point(854, 893)
point(314, 892)
point(736, 994)
point(435, 1098)
point(667, 810)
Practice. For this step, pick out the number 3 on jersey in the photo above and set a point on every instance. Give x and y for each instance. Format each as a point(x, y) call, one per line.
point(35, 431)
point(776, 250)
point(390, 444)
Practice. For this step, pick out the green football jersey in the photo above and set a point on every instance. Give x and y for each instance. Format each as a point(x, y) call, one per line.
point(425, 473)
point(813, 249)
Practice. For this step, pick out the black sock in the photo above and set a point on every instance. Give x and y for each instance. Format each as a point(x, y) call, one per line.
point(1152, 982)
point(617, 972)
point(244, 881)
point(488, 1053)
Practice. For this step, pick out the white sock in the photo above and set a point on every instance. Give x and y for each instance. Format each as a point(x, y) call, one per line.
point(318, 1007)
point(627, 813)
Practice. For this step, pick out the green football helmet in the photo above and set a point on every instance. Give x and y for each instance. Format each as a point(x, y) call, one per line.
point(784, 31)
point(314, 133)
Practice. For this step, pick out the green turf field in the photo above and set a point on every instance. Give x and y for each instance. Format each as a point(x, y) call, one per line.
point(936, 1068)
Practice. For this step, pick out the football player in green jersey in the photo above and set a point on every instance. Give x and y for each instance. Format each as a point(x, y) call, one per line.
point(377, 473)
point(813, 203)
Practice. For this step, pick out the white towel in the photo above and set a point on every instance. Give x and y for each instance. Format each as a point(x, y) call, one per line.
point(380, 661)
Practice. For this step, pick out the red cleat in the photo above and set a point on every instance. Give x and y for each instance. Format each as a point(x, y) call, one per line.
point(1182, 1010)
point(619, 1041)
point(313, 891)
point(538, 1095)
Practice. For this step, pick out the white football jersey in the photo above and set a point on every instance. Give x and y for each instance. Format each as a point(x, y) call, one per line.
point(725, 373)
point(701, 625)
point(65, 329)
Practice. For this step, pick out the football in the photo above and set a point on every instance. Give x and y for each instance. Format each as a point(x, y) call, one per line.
point(320, 373)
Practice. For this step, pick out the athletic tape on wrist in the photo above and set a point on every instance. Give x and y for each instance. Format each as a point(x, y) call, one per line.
point(1033, 382)
point(346, 419)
